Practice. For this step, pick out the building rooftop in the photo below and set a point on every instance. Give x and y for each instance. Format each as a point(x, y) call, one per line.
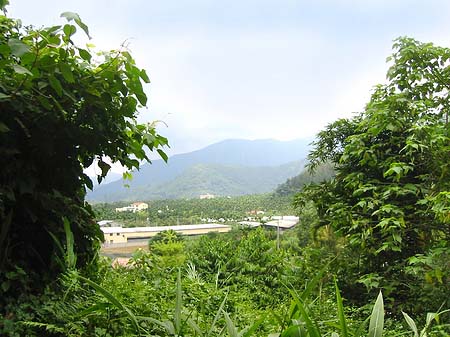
point(108, 230)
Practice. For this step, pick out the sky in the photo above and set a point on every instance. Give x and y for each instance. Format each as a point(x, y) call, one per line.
point(279, 69)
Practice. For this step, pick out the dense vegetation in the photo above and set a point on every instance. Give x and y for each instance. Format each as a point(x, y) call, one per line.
point(228, 284)
point(390, 199)
point(62, 107)
point(382, 223)
point(195, 211)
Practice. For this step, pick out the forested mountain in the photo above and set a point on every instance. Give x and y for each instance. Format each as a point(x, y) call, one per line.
point(295, 184)
point(230, 167)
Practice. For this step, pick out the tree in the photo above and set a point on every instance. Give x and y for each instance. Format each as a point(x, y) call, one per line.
point(62, 107)
point(390, 197)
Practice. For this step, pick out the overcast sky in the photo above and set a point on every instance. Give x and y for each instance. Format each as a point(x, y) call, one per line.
point(251, 69)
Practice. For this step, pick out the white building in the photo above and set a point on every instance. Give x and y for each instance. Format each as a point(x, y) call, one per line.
point(134, 207)
point(122, 235)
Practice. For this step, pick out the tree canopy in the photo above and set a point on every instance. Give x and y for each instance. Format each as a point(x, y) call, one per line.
point(390, 198)
point(62, 107)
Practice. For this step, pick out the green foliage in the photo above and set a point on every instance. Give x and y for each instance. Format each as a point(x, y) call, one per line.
point(62, 107)
point(167, 236)
point(295, 184)
point(150, 297)
point(194, 211)
point(389, 196)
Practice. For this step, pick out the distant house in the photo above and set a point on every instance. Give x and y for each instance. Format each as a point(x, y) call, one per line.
point(134, 207)
point(256, 212)
point(139, 206)
point(207, 196)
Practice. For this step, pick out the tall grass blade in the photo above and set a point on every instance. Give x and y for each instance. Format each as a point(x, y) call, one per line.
point(377, 318)
point(4, 229)
point(110, 297)
point(293, 331)
point(362, 328)
point(71, 257)
point(195, 327)
point(167, 325)
point(58, 259)
point(340, 311)
point(312, 328)
point(411, 324)
point(430, 317)
point(313, 283)
point(217, 316)
point(232, 331)
point(248, 331)
point(178, 304)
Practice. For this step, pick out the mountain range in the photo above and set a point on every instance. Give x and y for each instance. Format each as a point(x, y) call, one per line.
point(230, 167)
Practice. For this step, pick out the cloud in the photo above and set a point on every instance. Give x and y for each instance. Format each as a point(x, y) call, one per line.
point(252, 69)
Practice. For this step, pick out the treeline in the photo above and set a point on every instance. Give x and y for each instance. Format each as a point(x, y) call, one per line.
point(192, 211)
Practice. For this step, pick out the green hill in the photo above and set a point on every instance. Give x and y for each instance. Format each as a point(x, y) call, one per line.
point(295, 184)
point(232, 167)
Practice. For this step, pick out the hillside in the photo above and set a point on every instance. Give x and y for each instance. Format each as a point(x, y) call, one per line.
point(231, 167)
point(295, 184)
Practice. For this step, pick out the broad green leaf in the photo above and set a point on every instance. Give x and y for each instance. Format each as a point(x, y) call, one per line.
point(144, 76)
point(163, 155)
point(75, 17)
point(85, 55)
point(18, 48)
point(142, 98)
point(66, 71)
point(377, 318)
point(55, 84)
point(83, 27)
point(340, 308)
point(105, 167)
point(21, 70)
point(87, 181)
point(69, 30)
point(70, 16)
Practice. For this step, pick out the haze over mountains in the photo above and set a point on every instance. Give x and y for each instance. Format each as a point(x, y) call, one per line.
point(231, 167)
